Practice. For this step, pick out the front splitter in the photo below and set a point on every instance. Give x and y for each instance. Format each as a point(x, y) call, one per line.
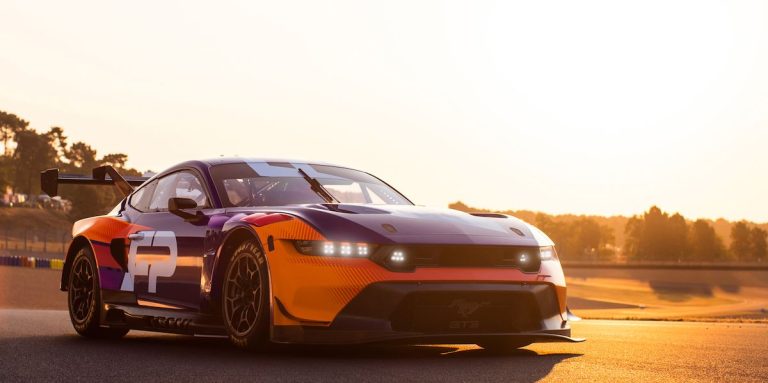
point(314, 335)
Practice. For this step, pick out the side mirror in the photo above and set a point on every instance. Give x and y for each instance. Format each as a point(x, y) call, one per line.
point(177, 205)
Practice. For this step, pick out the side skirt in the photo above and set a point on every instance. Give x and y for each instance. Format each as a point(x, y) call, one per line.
point(161, 320)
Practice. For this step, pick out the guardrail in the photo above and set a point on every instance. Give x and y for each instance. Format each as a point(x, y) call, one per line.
point(32, 262)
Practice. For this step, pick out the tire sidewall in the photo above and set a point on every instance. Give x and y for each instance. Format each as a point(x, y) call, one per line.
point(91, 322)
point(258, 335)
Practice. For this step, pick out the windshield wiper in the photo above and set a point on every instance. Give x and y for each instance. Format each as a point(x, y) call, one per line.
point(318, 188)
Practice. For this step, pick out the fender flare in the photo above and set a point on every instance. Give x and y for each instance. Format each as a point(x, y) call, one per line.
point(243, 230)
point(77, 243)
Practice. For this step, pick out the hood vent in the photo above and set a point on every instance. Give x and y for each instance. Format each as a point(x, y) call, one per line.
point(517, 231)
point(489, 215)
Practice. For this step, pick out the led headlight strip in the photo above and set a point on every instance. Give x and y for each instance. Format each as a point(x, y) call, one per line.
point(335, 248)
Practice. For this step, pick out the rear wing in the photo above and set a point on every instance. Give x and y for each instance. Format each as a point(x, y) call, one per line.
point(103, 175)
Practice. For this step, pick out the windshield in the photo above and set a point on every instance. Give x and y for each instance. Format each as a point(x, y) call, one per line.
point(281, 183)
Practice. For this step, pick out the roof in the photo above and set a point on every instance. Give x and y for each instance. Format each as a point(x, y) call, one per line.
point(234, 160)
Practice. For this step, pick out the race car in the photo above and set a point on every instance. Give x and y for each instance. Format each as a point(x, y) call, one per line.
point(277, 251)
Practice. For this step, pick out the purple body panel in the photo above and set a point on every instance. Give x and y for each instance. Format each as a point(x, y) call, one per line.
point(110, 278)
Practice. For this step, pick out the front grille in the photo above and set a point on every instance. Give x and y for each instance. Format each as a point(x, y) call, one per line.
point(470, 312)
point(525, 258)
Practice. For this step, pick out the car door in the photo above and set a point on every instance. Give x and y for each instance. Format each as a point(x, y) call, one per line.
point(165, 257)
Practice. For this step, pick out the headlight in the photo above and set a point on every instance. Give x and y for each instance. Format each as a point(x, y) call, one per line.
point(547, 253)
point(335, 249)
point(395, 258)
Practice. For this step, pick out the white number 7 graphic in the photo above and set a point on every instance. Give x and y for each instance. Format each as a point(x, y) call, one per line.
point(151, 268)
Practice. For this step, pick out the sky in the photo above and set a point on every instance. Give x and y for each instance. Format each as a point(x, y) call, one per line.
point(588, 107)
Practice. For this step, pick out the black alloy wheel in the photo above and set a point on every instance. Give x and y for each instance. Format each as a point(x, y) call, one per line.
point(84, 298)
point(81, 291)
point(245, 307)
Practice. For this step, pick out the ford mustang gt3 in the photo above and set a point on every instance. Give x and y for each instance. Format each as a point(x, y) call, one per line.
point(269, 251)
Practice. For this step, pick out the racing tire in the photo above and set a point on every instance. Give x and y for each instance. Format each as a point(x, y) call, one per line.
point(502, 346)
point(245, 298)
point(84, 298)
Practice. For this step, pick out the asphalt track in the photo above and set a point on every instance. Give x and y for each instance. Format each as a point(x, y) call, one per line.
point(40, 345)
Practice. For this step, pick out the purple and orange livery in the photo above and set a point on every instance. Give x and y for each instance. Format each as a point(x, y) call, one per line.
point(349, 259)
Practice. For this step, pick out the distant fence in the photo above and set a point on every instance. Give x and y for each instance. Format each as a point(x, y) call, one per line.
point(35, 242)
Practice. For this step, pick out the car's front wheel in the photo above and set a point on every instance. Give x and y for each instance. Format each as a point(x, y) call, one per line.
point(245, 297)
point(84, 298)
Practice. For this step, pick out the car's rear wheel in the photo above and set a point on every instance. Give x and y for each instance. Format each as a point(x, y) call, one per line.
point(84, 298)
point(245, 297)
point(503, 345)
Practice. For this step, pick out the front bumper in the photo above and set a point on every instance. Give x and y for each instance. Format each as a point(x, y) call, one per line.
point(439, 312)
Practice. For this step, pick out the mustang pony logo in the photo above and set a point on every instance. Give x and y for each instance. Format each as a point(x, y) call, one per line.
point(466, 308)
point(152, 266)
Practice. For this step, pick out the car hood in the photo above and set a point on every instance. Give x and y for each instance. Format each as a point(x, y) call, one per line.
point(416, 225)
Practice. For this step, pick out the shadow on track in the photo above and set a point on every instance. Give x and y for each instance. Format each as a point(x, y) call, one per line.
point(182, 357)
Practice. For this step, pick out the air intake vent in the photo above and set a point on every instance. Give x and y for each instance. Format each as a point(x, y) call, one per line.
point(517, 231)
point(489, 215)
point(410, 257)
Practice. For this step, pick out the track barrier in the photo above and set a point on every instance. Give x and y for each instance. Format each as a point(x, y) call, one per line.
point(32, 262)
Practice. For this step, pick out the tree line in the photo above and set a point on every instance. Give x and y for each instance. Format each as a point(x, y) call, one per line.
point(652, 236)
point(658, 236)
point(26, 152)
